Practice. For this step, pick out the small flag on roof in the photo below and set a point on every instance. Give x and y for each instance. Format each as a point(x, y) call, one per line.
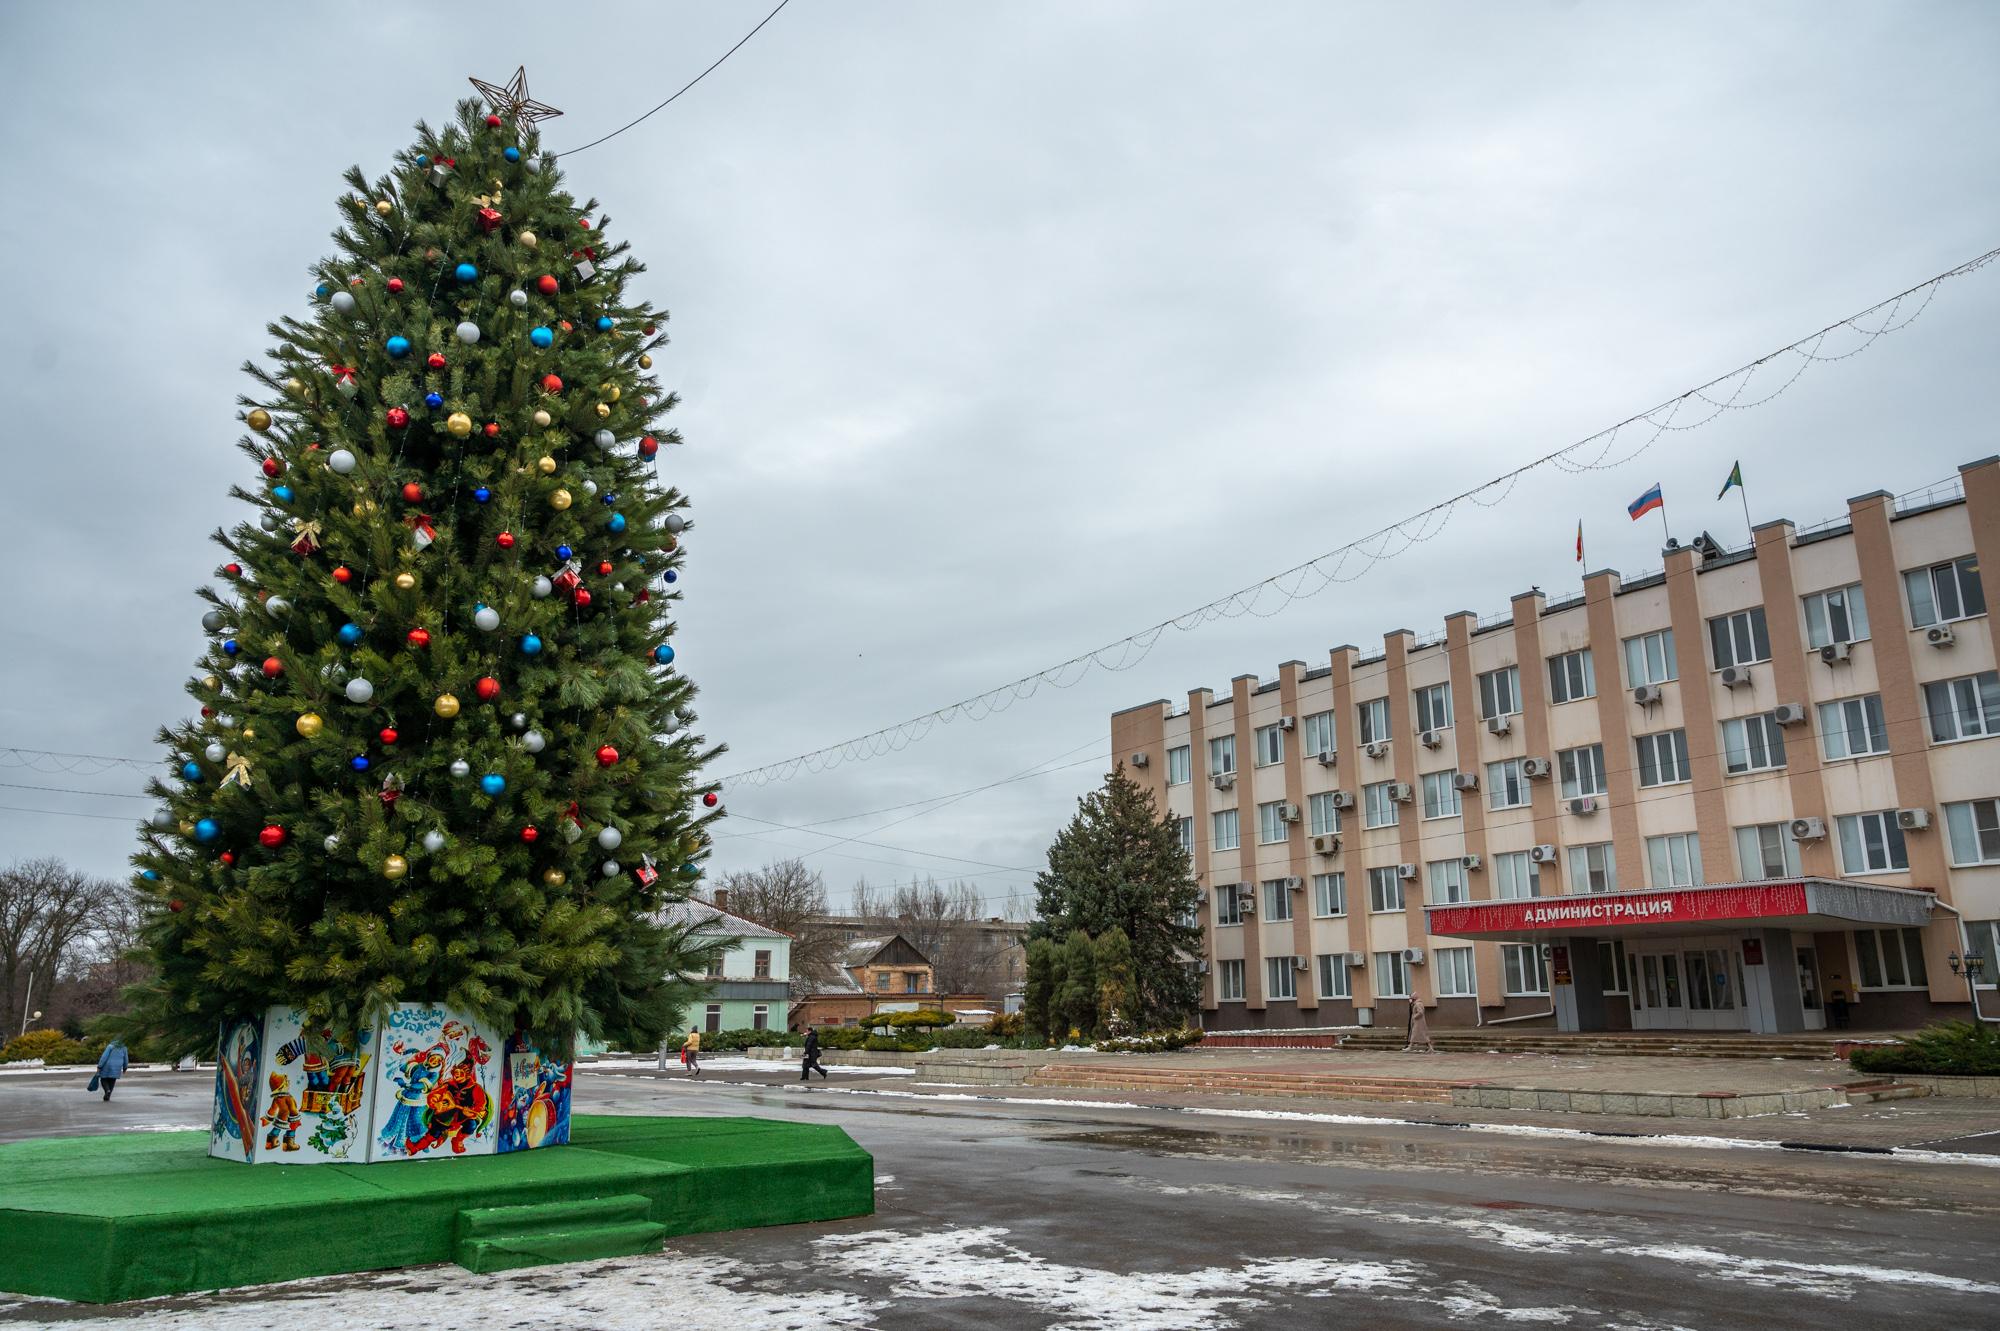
point(1646, 503)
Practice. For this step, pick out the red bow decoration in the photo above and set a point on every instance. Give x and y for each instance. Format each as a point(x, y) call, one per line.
point(422, 530)
point(572, 823)
point(344, 380)
point(392, 788)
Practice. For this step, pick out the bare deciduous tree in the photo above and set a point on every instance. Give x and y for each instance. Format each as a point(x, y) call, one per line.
point(788, 897)
point(51, 917)
point(942, 921)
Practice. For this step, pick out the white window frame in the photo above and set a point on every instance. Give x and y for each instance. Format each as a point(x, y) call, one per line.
point(1372, 720)
point(1378, 808)
point(1221, 754)
point(1228, 907)
point(1755, 845)
point(1433, 703)
point(1516, 877)
point(1504, 779)
point(1180, 765)
point(1740, 638)
point(1225, 830)
point(1896, 956)
point(1973, 832)
point(1582, 771)
point(1272, 829)
point(1572, 677)
point(1335, 980)
point(1324, 819)
point(1612, 961)
point(1649, 658)
point(1277, 901)
point(1679, 853)
point(1329, 895)
point(1184, 829)
point(1455, 973)
point(1841, 720)
point(1744, 736)
point(1838, 614)
point(1445, 883)
point(1440, 795)
point(760, 1017)
point(1392, 975)
point(1385, 891)
point(1863, 835)
point(1317, 734)
point(1926, 589)
point(1229, 980)
point(1280, 980)
point(1524, 971)
point(1663, 758)
point(1507, 680)
point(1591, 864)
point(1964, 708)
point(1268, 744)
point(1983, 937)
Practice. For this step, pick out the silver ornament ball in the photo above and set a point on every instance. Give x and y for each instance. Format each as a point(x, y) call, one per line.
point(674, 522)
point(268, 521)
point(543, 588)
point(610, 837)
point(518, 720)
point(359, 690)
point(433, 841)
point(468, 332)
point(533, 741)
point(342, 301)
point(610, 868)
point(277, 607)
point(486, 618)
point(590, 487)
point(517, 298)
point(332, 843)
point(163, 819)
point(215, 752)
point(606, 440)
point(460, 767)
point(340, 462)
point(212, 621)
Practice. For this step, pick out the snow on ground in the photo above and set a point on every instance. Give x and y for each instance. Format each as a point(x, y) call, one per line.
point(732, 1063)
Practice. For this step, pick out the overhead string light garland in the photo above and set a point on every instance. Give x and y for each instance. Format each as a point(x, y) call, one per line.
point(1317, 574)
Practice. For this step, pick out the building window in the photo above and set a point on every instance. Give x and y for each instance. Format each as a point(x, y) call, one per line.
point(1871, 843)
point(1891, 958)
point(913, 983)
point(1752, 744)
point(1280, 980)
point(1739, 639)
point(1378, 808)
point(715, 966)
point(1392, 975)
point(1852, 728)
point(1434, 707)
point(1185, 828)
point(1453, 969)
point(1674, 860)
point(1944, 592)
point(1447, 883)
point(882, 981)
point(1983, 940)
point(1374, 716)
point(1964, 708)
point(1228, 905)
point(712, 1017)
point(1277, 899)
point(1767, 851)
point(1582, 771)
point(1840, 615)
point(1221, 755)
point(1611, 964)
point(762, 969)
point(1270, 745)
point(1506, 788)
point(1319, 734)
point(760, 1017)
point(1572, 677)
point(1593, 868)
point(1271, 824)
point(1325, 818)
point(1223, 830)
point(1440, 795)
point(1975, 839)
point(1385, 889)
point(1525, 972)
point(1180, 765)
point(1649, 658)
point(1516, 875)
point(1229, 981)
point(1663, 758)
point(1500, 692)
point(1329, 894)
point(1334, 980)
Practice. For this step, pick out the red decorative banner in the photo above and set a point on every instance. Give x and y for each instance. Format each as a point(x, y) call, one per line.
point(1679, 906)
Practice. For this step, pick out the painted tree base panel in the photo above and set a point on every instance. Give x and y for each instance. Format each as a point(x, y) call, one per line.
point(104, 1219)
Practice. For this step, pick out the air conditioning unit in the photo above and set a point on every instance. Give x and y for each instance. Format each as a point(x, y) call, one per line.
point(1413, 956)
point(1646, 694)
point(1734, 677)
point(1465, 780)
point(1378, 748)
point(1499, 725)
point(1294, 883)
point(1789, 714)
point(1940, 635)
point(1246, 906)
point(1364, 1016)
point(1246, 891)
point(1400, 792)
point(1327, 757)
point(1357, 958)
point(1287, 722)
point(1288, 813)
point(1201, 968)
point(1808, 829)
point(1468, 861)
point(1406, 872)
point(1139, 760)
point(1301, 964)
point(1432, 739)
point(1342, 799)
point(1586, 805)
point(1223, 780)
point(1835, 652)
point(1542, 854)
point(1327, 844)
point(1536, 767)
point(1913, 820)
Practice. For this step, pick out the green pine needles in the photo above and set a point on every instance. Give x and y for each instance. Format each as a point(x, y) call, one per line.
point(443, 755)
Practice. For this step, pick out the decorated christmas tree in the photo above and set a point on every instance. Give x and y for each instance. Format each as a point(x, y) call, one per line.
point(443, 754)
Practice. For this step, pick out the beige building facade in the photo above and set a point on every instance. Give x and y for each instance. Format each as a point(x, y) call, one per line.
point(1758, 790)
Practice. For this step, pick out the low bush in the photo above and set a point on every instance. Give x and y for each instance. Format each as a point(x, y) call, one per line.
point(1006, 1024)
point(52, 1047)
point(1158, 1042)
point(921, 1019)
point(1950, 1049)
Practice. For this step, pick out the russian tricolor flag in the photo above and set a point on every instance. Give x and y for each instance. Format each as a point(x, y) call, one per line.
point(1646, 503)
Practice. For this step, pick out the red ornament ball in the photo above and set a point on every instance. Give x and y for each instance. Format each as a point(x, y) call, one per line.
point(583, 222)
point(493, 429)
point(177, 905)
point(271, 837)
point(435, 360)
point(232, 570)
point(273, 467)
point(388, 735)
point(582, 597)
point(419, 637)
point(395, 286)
point(711, 799)
point(606, 756)
point(648, 446)
point(488, 688)
point(413, 493)
point(207, 711)
point(229, 857)
point(492, 122)
point(604, 568)
point(273, 667)
point(531, 834)
point(547, 285)
point(505, 540)
point(643, 596)
point(397, 418)
point(343, 575)
point(552, 383)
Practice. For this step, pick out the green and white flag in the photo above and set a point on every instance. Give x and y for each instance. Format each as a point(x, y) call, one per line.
point(1735, 479)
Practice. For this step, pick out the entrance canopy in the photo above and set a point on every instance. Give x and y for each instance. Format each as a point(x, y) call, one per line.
point(1785, 903)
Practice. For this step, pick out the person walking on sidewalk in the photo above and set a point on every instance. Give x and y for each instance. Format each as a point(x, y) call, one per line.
point(111, 1065)
point(1420, 1029)
point(811, 1063)
point(691, 1052)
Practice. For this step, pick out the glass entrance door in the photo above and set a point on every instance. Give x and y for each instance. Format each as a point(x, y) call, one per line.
point(1809, 995)
point(1685, 984)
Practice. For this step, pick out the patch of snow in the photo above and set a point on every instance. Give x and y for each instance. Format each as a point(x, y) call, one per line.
point(164, 1127)
point(733, 1063)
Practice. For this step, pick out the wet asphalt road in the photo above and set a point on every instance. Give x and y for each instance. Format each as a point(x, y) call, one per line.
point(1012, 1216)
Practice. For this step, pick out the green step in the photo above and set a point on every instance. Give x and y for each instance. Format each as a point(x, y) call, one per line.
point(481, 1221)
point(541, 1247)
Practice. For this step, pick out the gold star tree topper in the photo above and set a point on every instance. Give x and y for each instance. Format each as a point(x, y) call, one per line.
point(511, 99)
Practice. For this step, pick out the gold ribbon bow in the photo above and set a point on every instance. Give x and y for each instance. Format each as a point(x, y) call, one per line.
point(238, 770)
point(306, 536)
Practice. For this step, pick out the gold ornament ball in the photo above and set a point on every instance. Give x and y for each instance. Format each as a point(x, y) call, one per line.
point(603, 410)
point(249, 733)
point(383, 206)
point(406, 582)
point(308, 725)
point(542, 418)
point(528, 240)
point(554, 877)
point(614, 391)
point(459, 424)
point(560, 500)
point(548, 465)
point(294, 386)
point(258, 419)
point(446, 706)
point(210, 682)
point(646, 362)
point(187, 828)
point(395, 867)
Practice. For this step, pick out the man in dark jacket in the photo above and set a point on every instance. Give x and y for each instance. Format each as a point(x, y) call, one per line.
point(811, 1064)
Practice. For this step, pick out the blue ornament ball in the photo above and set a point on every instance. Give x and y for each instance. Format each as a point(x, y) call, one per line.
point(423, 159)
point(671, 576)
point(230, 647)
point(616, 522)
point(511, 154)
point(531, 645)
point(151, 875)
point(207, 830)
point(433, 400)
point(349, 634)
point(603, 323)
point(493, 783)
point(322, 291)
point(398, 346)
point(191, 771)
point(466, 273)
point(481, 495)
point(564, 552)
point(541, 337)
point(664, 654)
point(359, 762)
point(282, 493)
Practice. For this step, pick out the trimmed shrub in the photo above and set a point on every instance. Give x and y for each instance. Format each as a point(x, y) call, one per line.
point(1007, 1023)
point(1949, 1049)
point(1161, 1042)
point(52, 1047)
point(921, 1019)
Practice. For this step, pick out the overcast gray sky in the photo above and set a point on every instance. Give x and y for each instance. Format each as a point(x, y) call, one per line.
point(1007, 329)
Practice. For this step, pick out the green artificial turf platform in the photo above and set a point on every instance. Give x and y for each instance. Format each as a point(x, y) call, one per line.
point(102, 1219)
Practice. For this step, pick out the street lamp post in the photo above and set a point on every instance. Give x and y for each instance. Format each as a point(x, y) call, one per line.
point(1970, 966)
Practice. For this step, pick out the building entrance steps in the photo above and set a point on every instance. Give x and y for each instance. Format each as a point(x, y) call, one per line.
point(1638, 1044)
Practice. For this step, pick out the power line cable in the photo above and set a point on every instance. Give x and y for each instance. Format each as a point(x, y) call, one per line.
point(1382, 544)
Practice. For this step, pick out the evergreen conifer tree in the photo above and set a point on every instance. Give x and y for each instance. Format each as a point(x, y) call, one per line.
point(1115, 988)
point(1038, 987)
point(443, 754)
point(1076, 998)
point(1119, 864)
